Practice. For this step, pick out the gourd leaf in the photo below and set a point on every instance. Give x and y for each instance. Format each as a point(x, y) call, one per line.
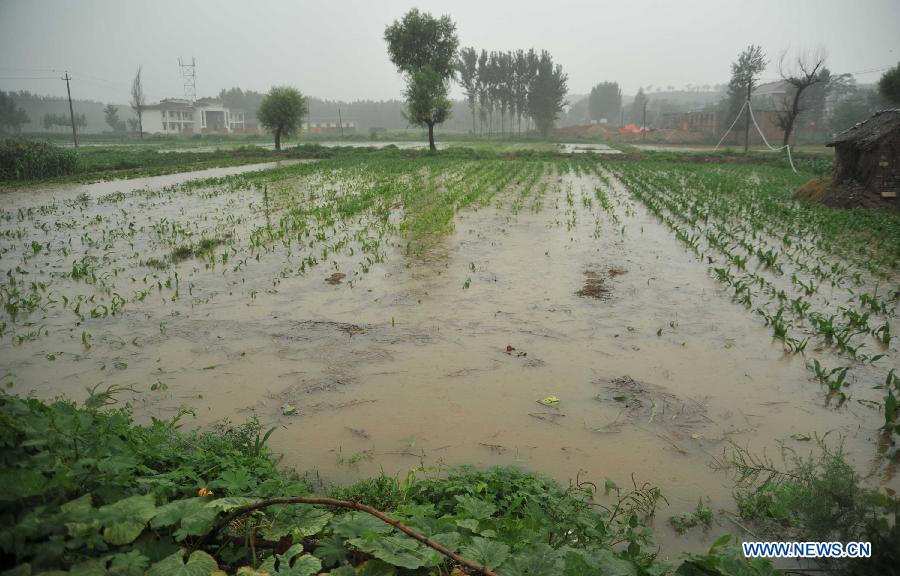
point(474, 507)
point(198, 564)
point(292, 563)
point(298, 521)
point(486, 552)
point(124, 520)
point(331, 550)
point(398, 551)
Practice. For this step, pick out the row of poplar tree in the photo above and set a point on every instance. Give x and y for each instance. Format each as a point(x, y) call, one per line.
point(503, 88)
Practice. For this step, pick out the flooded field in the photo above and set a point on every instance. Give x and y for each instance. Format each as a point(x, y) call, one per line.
point(569, 317)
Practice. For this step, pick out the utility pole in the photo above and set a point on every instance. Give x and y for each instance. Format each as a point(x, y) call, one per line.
point(644, 121)
point(71, 110)
point(340, 122)
point(747, 124)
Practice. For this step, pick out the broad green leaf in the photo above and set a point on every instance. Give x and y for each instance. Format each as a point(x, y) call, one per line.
point(399, 551)
point(292, 563)
point(233, 480)
point(131, 563)
point(17, 483)
point(331, 550)
point(474, 507)
point(230, 503)
point(486, 552)
point(198, 564)
point(125, 520)
point(358, 524)
point(597, 561)
point(299, 521)
point(470, 524)
point(538, 560)
point(172, 513)
point(78, 506)
point(198, 521)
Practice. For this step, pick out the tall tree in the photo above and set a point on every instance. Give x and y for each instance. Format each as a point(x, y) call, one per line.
point(282, 112)
point(427, 101)
point(547, 93)
point(744, 72)
point(639, 106)
point(420, 39)
point(467, 66)
point(138, 100)
point(605, 101)
point(111, 113)
point(12, 118)
point(424, 48)
point(889, 85)
point(484, 88)
point(805, 72)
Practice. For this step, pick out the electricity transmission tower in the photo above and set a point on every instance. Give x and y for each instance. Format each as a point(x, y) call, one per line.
point(189, 78)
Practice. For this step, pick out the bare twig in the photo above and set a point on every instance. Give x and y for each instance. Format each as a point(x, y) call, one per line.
point(352, 506)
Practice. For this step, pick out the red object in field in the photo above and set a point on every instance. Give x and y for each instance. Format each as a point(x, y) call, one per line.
point(631, 128)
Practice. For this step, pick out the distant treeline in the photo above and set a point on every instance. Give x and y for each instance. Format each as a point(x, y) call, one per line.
point(51, 113)
point(368, 114)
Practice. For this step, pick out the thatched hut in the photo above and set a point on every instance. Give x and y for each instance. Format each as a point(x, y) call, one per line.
point(867, 158)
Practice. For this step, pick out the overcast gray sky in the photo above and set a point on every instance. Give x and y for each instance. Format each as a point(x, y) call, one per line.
point(334, 49)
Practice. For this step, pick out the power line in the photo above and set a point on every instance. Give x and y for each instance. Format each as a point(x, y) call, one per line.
point(28, 78)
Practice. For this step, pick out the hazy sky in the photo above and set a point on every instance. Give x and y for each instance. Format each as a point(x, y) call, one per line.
point(334, 49)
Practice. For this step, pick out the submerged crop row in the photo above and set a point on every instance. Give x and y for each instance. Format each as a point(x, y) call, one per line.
point(824, 280)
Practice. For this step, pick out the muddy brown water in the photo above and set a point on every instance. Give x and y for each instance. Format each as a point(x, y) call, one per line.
point(408, 363)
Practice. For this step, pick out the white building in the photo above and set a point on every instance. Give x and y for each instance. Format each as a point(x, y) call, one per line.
point(330, 126)
point(175, 116)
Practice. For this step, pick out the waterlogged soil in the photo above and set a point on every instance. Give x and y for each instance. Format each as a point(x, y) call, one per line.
point(27, 196)
point(438, 355)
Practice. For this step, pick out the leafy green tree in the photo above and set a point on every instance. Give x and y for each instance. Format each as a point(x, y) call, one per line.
point(282, 112)
point(420, 39)
point(12, 118)
point(467, 66)
point(605, 101)
point(547, 93)
point(138, 100)
point(485, 104)
point(423, 48)
point(111, 112)
point(744, 71)
point(889, 85)
point(427, 101)
point(525, 64)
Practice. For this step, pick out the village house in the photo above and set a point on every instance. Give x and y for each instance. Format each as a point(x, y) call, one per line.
point(867, 156)
point(330, 126)
point(178, 116)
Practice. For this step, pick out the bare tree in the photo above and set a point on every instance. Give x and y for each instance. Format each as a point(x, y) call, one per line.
point(137, 100)
point(806, 71)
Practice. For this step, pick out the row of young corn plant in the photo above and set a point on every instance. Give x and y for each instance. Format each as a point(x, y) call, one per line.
point(816, 297)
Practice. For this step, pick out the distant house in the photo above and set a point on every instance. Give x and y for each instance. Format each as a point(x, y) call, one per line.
point(330, 126)
point(177, 116)
point(867, 155)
